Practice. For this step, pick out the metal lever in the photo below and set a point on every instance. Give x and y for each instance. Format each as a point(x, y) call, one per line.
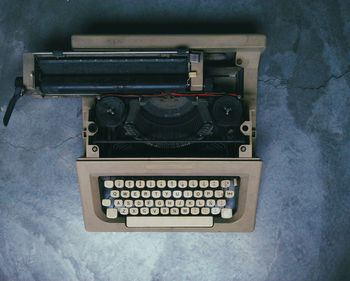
point(19, 91)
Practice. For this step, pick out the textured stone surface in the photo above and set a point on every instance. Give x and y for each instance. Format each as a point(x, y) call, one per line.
point(303, 225)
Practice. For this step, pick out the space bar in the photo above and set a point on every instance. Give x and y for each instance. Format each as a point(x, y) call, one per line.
point(162, 221)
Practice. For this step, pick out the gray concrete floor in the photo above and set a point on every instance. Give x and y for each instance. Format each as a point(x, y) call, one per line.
point(303, 225)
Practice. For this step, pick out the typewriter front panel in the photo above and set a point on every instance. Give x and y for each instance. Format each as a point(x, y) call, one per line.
point(243, 218)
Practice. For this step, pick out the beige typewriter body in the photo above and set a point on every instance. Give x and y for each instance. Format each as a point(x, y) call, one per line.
point(247, 49)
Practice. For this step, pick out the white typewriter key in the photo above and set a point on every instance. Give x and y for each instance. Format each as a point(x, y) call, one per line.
point(106, 202)
point(198, 193)
point(140, 184)
point(129, 183)
point(221, 203)
point(195, 211)
point(174, 211)
point(108, 184)
point(219, 193)
point(226, 213)
point(115, 193)
point(211, 203)
point(154, 211)
point(161, 183)
point(188, 193)
point(159, 203)
point(200, 203)
point(235, 182)
point(166, 193)
point(119, 183)
point(112, 213)
point(164, 211)
point(193, 183)
point(128, 203)
point(172, 183)
point(146, 194)
point(179, 203)
point(214, 183)
point(144, 211)
point(118, 203)
point(205, 211)
point(215, 211)
point(149, 203)
point(185, 211)
point(203, 184)
point(156, 194)
point(208, 193)
point(134, 211)
point(225, 183)
point(135, 194)
point(169, 203)
point(124, 211)
point(229, 194)
point(125, 193)
point(189, 203)
point(139, 203)
point(151, 183)
point(182, 184)
point(177, 194)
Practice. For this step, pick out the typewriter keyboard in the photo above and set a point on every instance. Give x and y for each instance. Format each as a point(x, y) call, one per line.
point(169, 201)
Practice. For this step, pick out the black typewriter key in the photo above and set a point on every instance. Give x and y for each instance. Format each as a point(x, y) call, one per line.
point(110, 112)
point(227, 111)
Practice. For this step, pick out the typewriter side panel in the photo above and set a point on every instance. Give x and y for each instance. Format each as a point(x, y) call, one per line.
point(242, 221)
point(202, 41)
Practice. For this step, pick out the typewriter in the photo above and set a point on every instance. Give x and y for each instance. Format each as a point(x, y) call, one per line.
point(168, 128)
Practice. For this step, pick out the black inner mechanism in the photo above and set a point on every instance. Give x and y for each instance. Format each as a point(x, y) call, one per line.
point(168, 126)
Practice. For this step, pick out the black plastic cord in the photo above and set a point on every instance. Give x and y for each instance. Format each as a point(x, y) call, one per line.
point(19, 91)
